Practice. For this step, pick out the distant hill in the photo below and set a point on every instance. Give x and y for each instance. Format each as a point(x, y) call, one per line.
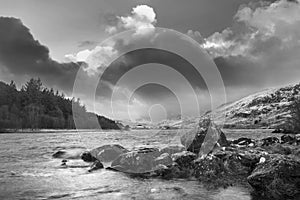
point(37, 107)
point(267, 109)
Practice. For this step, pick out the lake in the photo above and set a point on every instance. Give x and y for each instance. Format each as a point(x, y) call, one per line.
point(28, 171)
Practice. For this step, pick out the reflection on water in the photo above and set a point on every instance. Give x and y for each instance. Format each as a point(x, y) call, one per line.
point(27, 170)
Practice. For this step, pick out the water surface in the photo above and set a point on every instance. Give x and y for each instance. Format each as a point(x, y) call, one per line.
point(27, 170)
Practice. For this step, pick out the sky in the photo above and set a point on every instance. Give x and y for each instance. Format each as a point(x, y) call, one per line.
point(254, 45)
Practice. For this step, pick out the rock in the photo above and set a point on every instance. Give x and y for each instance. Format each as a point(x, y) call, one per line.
point(208, 167)
point(87, 157)
point(164, 159)
point(106, 153)
point(68, 154)
point(96, 165)
point(184, 159)
point(290, 139)
point(173, 171)
point(278, 149)
point(239, 164)
point(172, 149)
point(243, 141)
point(59, 154)
point(204, 138)
point(277, 178)
point(269, 141)
point(140, 161)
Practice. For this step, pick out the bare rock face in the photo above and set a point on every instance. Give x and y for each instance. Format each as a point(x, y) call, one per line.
point(204, 138)
point(277, 178)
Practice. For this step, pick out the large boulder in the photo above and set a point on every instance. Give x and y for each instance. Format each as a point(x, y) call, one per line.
point(181, 167)
point(204, 138)
point(105, 153)
point(277, 178)
point(141, 161)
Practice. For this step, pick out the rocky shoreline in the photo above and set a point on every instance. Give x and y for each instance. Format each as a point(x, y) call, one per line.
point(270, 166)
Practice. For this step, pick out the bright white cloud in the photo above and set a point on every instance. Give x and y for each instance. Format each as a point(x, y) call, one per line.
point(142, 19)
point(258, 27)
point(97, 58)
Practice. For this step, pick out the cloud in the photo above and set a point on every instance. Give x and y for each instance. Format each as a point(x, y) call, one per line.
point(196, 35)
point(258, 30)
point(262, 47)
point(142, 18)
point(21, 55)
point(97, 58)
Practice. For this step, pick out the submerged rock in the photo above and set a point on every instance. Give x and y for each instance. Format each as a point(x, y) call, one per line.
point(277, 178)
point(204, 138)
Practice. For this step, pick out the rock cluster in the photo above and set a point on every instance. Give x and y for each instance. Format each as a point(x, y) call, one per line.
point(271, 166)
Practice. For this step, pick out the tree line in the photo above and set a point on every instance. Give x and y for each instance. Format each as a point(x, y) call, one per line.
point(37, 107)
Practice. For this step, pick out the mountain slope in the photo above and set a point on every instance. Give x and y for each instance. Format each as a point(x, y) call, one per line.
point(266, 109)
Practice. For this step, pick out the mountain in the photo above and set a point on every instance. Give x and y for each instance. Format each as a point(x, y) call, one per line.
point(267, 109)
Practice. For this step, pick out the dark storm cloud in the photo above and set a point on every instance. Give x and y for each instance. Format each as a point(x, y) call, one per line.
point(238, 71)
point(144, 56)
point(21, 54)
